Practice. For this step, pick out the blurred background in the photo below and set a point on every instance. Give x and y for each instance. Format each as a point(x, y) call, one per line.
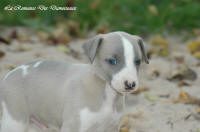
point(141, 17)
point(168, 98)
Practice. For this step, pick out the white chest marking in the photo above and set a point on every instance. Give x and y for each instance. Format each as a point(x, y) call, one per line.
point(24, 69)
point(88, 118)
point(37, 64)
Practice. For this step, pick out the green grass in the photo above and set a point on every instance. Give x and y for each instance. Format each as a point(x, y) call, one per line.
point(132, 16)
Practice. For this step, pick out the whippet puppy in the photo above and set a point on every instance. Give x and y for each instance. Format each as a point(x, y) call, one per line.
point(75, 97)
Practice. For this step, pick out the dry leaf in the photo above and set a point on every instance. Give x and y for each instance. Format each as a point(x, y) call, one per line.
point(155, 71)
point(141, 89)
point(62, 48)
point(194, 46)
point(164, 52)
point(124, 124)
point(4, 40)
point(43, 35)
point(197, 110)
point(160, 45)
point(125, 130)
point(10, 67)
point(182, 83)
point(182, 73)
point(2, 54)
point(14, 34)
point(124, 121)
point(150, 97)
point(179, 59)
point(160, 41)
point(197, 54)
point(185, 98)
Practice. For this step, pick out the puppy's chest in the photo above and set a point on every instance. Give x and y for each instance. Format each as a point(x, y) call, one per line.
point(106, 113)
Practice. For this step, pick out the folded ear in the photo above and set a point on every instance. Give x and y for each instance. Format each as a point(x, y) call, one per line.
point(91, 47)
point(143, 50)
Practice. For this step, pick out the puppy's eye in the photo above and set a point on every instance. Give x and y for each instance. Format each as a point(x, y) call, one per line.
point(137, 62)
point(112, 61)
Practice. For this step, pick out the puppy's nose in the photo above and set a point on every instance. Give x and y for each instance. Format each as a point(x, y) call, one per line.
point(129, 85)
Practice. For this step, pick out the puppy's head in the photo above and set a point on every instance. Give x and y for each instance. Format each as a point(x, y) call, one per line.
point(116, 58)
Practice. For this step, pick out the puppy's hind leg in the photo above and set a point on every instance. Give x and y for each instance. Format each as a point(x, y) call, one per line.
point(9, 124)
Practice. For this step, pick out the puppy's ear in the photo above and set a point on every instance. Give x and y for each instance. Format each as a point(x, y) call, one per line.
point(143, 50)
point(91, 47)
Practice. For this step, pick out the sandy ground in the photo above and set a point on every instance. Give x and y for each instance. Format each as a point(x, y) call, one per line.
point(152, 110)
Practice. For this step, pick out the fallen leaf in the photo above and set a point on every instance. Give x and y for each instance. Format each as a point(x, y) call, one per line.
point(160, 41)
point(197, 54)
point(197, 110)
point(164, 52)
point(137, 115)
point(124, 130)
point(187, 117)
point(150, 97)
point(4, 40)
point(141, 89)
point(161, 45)
point(52, 40)
point(43, 35)
point(185, 98)
point(10, 67)
point(14, 34)
point(194, 46)
point(182, 83)
point(179, 59)
point(182, 73)
point(2, 54)
point(196, 116)
point(125, 125)
point(124, 121)
point(63, 48)
point(155, 71)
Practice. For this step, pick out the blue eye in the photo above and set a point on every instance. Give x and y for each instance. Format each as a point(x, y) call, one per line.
point(112, 61)
point(137, 62)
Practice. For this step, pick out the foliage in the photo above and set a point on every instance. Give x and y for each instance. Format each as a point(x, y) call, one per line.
point(133, 16)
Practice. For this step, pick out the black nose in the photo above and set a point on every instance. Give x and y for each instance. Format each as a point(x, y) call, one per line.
point(129, 85)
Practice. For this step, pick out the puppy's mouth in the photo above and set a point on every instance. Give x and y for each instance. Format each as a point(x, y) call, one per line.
point(124, 91)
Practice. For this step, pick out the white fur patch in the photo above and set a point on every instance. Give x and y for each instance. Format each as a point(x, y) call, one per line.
point(129, 72)
point(37, 64)
point(24, 69)
point(9, 124)
point(88, 118)
point(128, 53)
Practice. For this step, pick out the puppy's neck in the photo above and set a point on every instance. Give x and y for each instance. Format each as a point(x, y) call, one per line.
point(102, 94)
